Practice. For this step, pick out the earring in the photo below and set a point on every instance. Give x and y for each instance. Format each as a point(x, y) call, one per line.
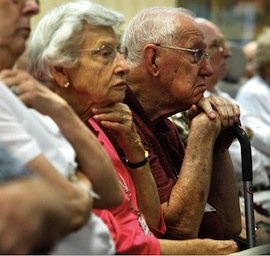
point(66, 85)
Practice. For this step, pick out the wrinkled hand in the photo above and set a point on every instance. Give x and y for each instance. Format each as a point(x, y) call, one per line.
point(118, 119)
point(31, 92)
point(228, 111)
point(201, 125)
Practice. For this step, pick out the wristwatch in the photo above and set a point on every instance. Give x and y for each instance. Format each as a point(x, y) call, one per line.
point(138, 164)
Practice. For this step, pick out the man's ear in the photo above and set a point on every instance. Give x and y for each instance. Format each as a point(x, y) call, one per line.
point(60, 76)
point(151, 59)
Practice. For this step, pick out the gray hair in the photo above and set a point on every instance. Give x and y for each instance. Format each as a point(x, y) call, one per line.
point(59, 35)
point(155, 25)
point(262, 53)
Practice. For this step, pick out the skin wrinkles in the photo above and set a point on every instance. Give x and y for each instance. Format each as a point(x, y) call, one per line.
point(201, 196)
point(184, 207)
point(194, 88)
point(181, 67)
point(192, 37)
point(104, 83)
point(195, 40)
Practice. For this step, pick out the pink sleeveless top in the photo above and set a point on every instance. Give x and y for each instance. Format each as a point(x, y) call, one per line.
point(127, 233)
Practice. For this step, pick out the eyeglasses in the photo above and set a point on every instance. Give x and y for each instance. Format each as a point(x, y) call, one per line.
point(219, 45)
point(107, 52)
point(199, 55)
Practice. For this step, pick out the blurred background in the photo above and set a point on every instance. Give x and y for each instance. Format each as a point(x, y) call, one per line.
point(240, 20)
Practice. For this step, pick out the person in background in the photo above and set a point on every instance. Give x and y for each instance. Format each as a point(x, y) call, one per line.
point(257, 131)
point(44, 203)
point(249, 50)
point(168, 67)
point(86, 66)
point(255, 93)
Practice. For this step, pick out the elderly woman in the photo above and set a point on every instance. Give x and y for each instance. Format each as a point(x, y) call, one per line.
point(46, 205)
point(75, 50)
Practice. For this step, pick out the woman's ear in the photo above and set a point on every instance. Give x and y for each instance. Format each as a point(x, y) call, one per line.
point(60, 76)
point(151, 59)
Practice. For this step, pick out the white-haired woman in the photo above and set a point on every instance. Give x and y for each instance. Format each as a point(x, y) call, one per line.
point(38, 210)
point(75, 50)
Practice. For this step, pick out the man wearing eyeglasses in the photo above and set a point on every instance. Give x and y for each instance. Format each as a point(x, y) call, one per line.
point(258, 131)
point(169, 64)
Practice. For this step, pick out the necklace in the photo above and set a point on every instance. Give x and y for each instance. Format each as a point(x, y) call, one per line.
point(137, 212)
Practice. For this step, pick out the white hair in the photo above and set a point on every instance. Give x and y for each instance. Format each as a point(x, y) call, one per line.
point(155, 25)
point(58, 36)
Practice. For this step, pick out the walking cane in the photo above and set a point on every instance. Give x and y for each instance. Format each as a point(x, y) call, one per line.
point(247, 178)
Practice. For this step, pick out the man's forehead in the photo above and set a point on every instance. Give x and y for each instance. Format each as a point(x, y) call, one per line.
point(191, 34)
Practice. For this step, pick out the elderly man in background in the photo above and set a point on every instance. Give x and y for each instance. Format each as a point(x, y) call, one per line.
point(254, 95)
point(169, 66)
point(249, 50)
point(258, 132)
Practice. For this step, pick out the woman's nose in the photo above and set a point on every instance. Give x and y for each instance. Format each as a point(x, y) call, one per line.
point(121, 64)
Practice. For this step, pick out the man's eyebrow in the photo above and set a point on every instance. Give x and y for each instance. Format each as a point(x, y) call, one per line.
point(218, 40)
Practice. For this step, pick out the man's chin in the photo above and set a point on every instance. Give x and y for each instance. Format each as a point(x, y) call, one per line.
point(118, 98)
point(19, 48)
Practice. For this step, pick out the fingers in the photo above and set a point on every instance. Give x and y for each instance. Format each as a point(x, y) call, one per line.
point(228, 111)
point(115, 115)
point(11, 77)
point(207, 107)
point(18, 81)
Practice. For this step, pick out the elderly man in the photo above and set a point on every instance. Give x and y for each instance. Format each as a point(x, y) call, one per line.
point(258, 131)
point(255, 93)
point(169, 66)
point(37, 211)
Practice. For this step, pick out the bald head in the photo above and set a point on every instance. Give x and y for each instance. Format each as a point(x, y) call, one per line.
point(209, 29)
point(218, 49)
point(249, 50)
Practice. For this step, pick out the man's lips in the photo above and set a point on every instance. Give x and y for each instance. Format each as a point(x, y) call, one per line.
point(201, 85)
point(121, 85)
point(25, 31)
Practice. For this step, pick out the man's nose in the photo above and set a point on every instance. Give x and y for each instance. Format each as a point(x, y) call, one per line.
point(31, 7)
point(206, 68)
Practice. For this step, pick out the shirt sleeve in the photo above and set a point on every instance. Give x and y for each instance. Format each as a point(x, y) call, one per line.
point(10, 168)
point(13, 134)
point(261, 133)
